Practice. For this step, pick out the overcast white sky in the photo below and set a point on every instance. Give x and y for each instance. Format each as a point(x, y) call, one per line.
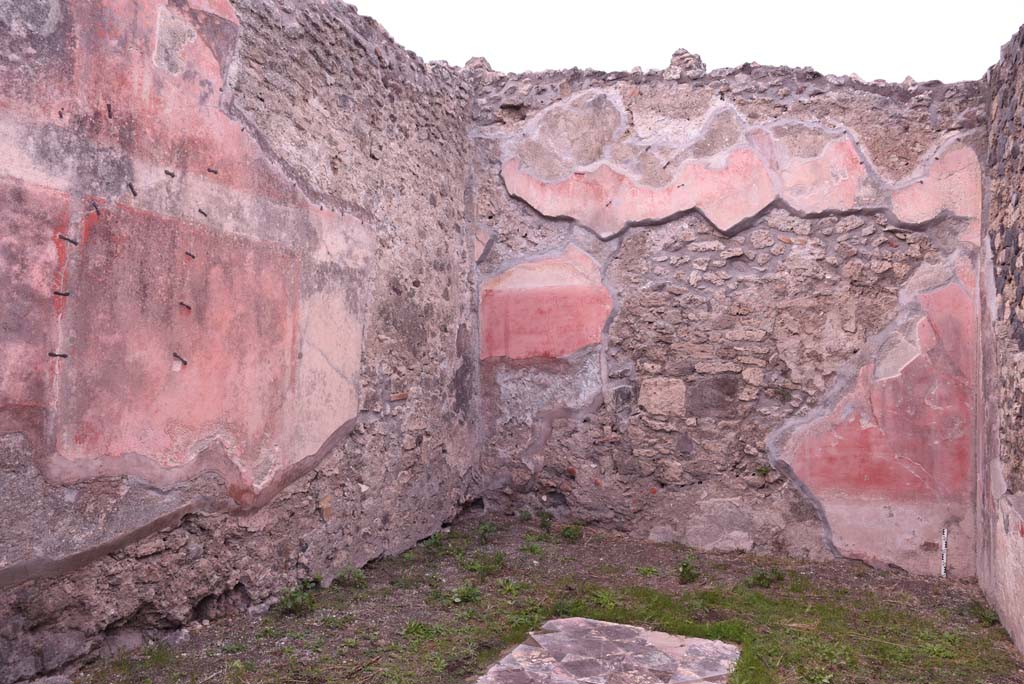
point(889, 39)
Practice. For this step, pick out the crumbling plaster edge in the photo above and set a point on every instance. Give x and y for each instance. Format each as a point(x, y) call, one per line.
point(147, 472)
point(908, 311)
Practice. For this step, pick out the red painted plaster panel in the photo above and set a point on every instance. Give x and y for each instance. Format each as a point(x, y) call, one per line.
point(32, 259)
point(832, 181)
point(908, 436)
point(952, 183)
point(161, 69)
point(730, 194)
point(902, 442)
point(37, 73)
point(606, 201)
point(231, 313)
point(546, 308)
point(132, 93)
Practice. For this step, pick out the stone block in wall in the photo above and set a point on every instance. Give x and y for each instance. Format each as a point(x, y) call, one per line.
point(663, 396)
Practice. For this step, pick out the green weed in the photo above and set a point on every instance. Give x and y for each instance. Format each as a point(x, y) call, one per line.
point(765, 578)
point(545, 519)
point(485, 531)
point(485, 564)
point(467, 593)
point(687, 572)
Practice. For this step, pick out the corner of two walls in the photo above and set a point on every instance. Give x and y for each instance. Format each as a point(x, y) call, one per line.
point(733, 310)
point(1000, 503)
point(736, 310)
point(223, 366)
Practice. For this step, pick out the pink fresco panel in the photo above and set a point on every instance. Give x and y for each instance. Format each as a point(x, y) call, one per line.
point(132, 111)
point(892, 464)
point(32, 259)
point(161, 68)
point(545, 308)
point(230, 313)
point(907, 436)
point(607, 201)
point(832, 181)
point(952, 184)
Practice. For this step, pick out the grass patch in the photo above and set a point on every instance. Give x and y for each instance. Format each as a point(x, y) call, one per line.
point(335, 622)
point(300, 600)
point(145, 664)
point(484, 564)
point(467, 593)
point(766, 577)
point(787, 640)
point(235, 672)
point(351, 578)
point(797, 623)
point(511, 587)
point(417, 631)
point(486, 531)
point(532, 548)
point(982, 613)
point(545, 518)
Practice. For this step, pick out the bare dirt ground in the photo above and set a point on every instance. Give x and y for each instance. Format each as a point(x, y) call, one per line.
point(445, 610)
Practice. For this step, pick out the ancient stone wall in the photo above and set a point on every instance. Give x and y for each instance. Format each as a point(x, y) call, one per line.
point(223, 367)
point(733, 310)
point(1001, 438)
point(284, 297)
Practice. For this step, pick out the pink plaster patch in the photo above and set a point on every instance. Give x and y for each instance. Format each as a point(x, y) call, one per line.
point(229, 315)
point(903, 440)
point(952, 184)
point(32, 257)
point(546, 308)
point(905, 436)
point(831, 181)
point(729, 195)
point(139, 82)
point(607, 201)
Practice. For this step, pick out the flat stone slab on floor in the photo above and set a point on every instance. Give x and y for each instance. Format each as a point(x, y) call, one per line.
point(582, 651)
